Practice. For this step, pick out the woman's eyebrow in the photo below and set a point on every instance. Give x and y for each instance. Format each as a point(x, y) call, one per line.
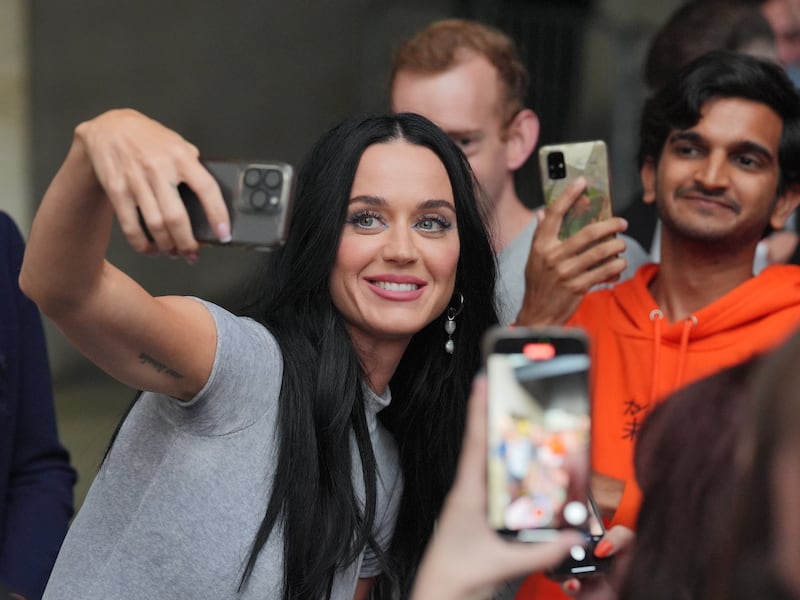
point(368, 199)
point(433, 204)
point(425, 205)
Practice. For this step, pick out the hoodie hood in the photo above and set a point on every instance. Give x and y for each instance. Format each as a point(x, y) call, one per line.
point(638, 358)
point(747, 311)
point(773, 291)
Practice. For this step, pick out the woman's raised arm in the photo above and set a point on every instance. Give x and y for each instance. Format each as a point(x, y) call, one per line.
point(123, 163)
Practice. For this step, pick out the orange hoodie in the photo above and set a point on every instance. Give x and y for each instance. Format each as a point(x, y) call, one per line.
point(638, 358)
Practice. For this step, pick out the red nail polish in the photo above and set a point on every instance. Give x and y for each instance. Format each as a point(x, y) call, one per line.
point(603, 549)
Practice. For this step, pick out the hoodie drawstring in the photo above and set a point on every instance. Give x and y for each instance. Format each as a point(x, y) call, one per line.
point(688, 323)
point(657, 317)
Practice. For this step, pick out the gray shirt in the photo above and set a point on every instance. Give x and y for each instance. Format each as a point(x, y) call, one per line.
point(174, 509)
point(511, 261)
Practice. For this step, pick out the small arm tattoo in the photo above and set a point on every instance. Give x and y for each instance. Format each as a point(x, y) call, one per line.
point(146, 359)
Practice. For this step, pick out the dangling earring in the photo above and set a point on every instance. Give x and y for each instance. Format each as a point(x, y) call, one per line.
point(450, 323)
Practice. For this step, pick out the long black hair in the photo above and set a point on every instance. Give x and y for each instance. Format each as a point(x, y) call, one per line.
point(325, 526)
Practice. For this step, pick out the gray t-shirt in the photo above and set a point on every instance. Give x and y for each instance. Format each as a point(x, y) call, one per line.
point(174, 509)
point(511, 261)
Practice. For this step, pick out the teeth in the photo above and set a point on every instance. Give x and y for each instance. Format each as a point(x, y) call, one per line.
point(396, 287)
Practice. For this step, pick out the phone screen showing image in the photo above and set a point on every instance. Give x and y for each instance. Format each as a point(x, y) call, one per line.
point(539, 425)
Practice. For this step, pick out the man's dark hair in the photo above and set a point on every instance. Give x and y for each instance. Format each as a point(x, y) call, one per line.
point(696, 28)
point(723, 74)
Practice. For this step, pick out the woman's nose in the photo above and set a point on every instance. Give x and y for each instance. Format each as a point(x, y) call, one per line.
point(399, 246)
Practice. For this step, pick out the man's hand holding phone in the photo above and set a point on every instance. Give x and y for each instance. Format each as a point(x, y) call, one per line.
point(560, 272)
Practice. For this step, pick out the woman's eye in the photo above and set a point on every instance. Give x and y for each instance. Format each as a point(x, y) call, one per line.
point(433, 224)
point(365, 220)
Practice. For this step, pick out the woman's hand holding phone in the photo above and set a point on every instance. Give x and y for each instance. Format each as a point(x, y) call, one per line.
point(139, 164)
point(616, 543)
point(465, 557)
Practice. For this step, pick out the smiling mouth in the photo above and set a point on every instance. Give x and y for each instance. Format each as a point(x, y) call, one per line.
point(395, 287)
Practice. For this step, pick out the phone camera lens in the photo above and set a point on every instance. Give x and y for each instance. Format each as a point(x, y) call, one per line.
point(272, 178)
point(252, 177)
point(259, 199)
point(556, 167)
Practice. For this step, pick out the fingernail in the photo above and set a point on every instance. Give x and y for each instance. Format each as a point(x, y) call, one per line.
point(191, 257)
point(603, 549)
point(571, 586)
point(223, 231)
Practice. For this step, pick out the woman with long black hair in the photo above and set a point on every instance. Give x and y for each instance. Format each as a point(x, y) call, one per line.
point(267, 457)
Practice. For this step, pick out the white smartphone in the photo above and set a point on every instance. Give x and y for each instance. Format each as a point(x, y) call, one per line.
point(561, 164)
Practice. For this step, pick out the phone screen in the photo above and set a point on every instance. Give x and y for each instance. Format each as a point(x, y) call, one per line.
point(538, 433)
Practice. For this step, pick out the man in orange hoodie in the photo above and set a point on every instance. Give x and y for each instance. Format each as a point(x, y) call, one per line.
point(720, 157)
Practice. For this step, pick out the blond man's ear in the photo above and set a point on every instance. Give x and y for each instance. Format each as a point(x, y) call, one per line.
point(521, 136)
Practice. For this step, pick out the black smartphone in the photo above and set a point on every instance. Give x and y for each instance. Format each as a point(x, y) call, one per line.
point(561, 164)
point(581, 561)
point(538, 430)
point(258, 195)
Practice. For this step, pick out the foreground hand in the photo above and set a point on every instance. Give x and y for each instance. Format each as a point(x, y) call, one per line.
point(139, 163)
point(559, 272)
point(617, 542)
point(466, 558)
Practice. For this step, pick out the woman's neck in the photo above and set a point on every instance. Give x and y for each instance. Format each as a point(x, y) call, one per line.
point(379, 358)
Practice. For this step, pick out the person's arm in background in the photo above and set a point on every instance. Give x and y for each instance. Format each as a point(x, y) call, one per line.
point(37, 475)
point(6, 595)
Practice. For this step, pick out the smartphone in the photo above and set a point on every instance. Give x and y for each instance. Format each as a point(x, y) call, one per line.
point(538, 430)
point(581, 561)
point(258, 196)
point(561, 164)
